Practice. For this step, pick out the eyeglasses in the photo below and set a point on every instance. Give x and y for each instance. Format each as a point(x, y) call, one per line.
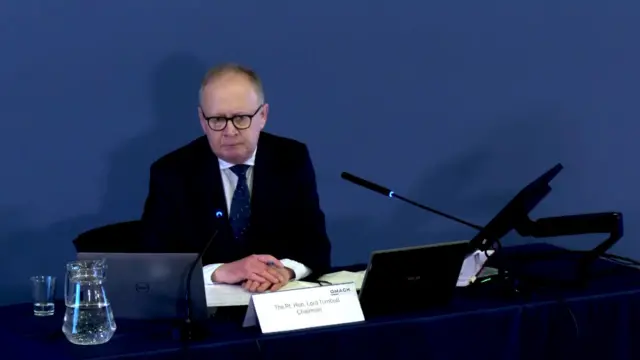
point(240, 121)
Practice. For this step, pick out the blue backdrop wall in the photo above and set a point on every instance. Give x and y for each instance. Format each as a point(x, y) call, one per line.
point(454, 103)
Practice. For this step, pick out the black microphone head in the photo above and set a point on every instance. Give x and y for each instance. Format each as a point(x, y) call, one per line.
point(345, 175)
point(367, 184)
point(219, 214)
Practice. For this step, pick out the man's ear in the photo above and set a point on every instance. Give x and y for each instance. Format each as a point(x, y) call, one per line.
point(203, 121)
point(265, 115)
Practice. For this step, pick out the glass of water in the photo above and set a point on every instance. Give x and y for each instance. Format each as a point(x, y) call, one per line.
point(44, 291)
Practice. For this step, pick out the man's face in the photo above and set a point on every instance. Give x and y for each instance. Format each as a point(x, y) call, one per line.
point(232, 97)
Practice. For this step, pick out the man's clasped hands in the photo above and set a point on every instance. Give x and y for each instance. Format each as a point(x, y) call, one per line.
point(256, 273)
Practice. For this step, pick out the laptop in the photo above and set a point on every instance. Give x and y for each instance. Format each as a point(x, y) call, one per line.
point(411, 279)
point(152, 286)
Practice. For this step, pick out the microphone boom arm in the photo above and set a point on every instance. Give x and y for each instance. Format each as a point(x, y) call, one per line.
point(597, 223)
point(437, 212)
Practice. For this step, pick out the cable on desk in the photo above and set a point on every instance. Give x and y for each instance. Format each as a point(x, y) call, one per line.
point(621, 260)
point(563, 302)
point(260, 353)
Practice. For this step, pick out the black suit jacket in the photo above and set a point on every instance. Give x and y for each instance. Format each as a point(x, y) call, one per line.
point(186, 191)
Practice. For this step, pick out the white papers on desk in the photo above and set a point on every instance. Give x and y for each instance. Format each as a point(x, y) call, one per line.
point(472, 266)
point(234, 295)
point(343, 277)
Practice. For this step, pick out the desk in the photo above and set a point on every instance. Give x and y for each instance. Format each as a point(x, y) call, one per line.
point(478, 325)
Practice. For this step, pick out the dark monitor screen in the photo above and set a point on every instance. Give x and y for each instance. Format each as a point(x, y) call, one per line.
point(516, 211)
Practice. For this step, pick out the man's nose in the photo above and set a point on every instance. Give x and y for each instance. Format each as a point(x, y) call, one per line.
point(230, 129)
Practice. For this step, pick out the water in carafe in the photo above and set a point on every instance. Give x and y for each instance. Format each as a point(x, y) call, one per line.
point(88, 319)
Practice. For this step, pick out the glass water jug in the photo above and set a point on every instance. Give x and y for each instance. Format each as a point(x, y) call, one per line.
point(88, 319)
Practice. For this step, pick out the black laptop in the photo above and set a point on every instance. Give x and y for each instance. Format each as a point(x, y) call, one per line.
point(152, 286)
point(411, 279)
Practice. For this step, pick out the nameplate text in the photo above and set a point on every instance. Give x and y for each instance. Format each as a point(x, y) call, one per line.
point(304, 308)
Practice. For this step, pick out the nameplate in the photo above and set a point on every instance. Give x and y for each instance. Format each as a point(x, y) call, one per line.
point(304, 308)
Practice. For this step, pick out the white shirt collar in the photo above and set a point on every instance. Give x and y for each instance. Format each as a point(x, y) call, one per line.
point(226, 165)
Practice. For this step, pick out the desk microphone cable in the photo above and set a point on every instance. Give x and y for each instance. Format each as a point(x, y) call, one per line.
point(622, 260)
point(259, 347)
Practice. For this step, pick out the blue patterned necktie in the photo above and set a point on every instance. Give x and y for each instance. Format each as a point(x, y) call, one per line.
point(240, 203)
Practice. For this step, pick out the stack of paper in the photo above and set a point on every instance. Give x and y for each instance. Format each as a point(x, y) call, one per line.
point(343, 277)
point(234, 295)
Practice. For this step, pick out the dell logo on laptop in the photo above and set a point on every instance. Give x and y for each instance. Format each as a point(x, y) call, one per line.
point(339, 291)
point(142, 287)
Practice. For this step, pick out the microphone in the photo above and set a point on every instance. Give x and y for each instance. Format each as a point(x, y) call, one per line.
point(189, 331)
point(388, 192)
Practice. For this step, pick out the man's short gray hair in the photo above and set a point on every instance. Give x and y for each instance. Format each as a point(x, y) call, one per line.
point(222, 70)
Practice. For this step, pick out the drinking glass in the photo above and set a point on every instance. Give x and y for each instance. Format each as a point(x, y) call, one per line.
point(44, 291)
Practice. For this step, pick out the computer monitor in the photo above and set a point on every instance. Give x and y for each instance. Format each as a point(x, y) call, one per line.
point(516, 212)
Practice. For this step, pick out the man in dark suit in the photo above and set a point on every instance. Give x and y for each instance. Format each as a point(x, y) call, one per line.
point(256, 189)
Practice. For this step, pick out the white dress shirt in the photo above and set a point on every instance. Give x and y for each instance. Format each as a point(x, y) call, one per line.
point(229, 182)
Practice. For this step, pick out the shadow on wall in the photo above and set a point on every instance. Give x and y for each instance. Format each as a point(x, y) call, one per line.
point(174, 87)
point(474, 186)
point(353, 239)
point(175, 84)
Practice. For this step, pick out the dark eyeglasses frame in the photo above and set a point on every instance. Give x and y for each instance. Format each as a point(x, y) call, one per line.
point(231, 119)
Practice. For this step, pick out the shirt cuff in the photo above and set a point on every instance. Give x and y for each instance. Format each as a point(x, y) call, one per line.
point(207, 271)
point(299, 269)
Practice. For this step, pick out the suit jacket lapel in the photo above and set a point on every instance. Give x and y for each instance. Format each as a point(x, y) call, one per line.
point(261, 180)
